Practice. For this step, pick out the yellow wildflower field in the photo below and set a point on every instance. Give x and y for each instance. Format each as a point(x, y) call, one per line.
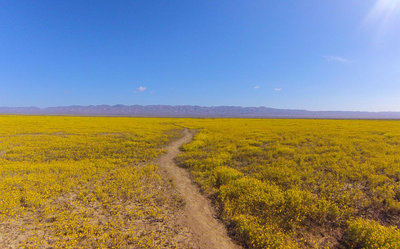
point(92, 182)
point(85, 182)
point(301, 183)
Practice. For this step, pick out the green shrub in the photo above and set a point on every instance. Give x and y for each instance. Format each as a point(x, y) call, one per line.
point(370, 234)
point(261, 236)
point(250, 196)
point(223, 175)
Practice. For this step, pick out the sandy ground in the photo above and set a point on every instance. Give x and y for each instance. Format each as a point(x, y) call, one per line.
point(198, 215)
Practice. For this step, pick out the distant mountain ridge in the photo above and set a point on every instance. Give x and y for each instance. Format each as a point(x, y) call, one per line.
point(195, 111)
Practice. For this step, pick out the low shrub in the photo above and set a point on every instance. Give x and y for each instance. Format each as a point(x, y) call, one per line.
point(367, 234)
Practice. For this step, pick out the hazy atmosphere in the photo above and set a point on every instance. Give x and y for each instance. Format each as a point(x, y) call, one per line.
point(315, 55)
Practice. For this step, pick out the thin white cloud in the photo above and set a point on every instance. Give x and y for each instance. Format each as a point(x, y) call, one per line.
point(336, 59)
point(256, 87)
point(140, 89)
point(277, 89)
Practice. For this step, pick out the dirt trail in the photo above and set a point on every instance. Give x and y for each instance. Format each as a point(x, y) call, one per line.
point(198, 215)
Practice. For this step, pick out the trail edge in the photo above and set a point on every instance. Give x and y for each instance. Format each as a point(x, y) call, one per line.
point(198, 214)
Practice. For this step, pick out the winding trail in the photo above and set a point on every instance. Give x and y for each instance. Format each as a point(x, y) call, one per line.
point(198, 215)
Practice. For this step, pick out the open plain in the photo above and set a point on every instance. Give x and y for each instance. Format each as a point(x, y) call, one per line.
point(115, 182)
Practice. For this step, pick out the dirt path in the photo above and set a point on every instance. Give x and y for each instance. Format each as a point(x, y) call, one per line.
point(198, 215)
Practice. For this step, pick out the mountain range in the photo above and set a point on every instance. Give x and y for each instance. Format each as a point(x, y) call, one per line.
point(194, 111)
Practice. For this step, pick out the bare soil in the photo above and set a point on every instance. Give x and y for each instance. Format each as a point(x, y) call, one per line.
point(198, 213)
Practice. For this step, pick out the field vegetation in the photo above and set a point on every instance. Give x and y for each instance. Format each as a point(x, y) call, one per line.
point(77, 182)
point(92, 182)
point(301, 183)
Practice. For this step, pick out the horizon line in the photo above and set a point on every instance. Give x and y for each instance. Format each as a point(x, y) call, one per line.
point(201, 106)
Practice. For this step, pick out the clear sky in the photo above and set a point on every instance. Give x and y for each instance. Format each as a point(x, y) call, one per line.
point(303, 54)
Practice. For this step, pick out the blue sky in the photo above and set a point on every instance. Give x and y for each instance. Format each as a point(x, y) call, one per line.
point(311, 54)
